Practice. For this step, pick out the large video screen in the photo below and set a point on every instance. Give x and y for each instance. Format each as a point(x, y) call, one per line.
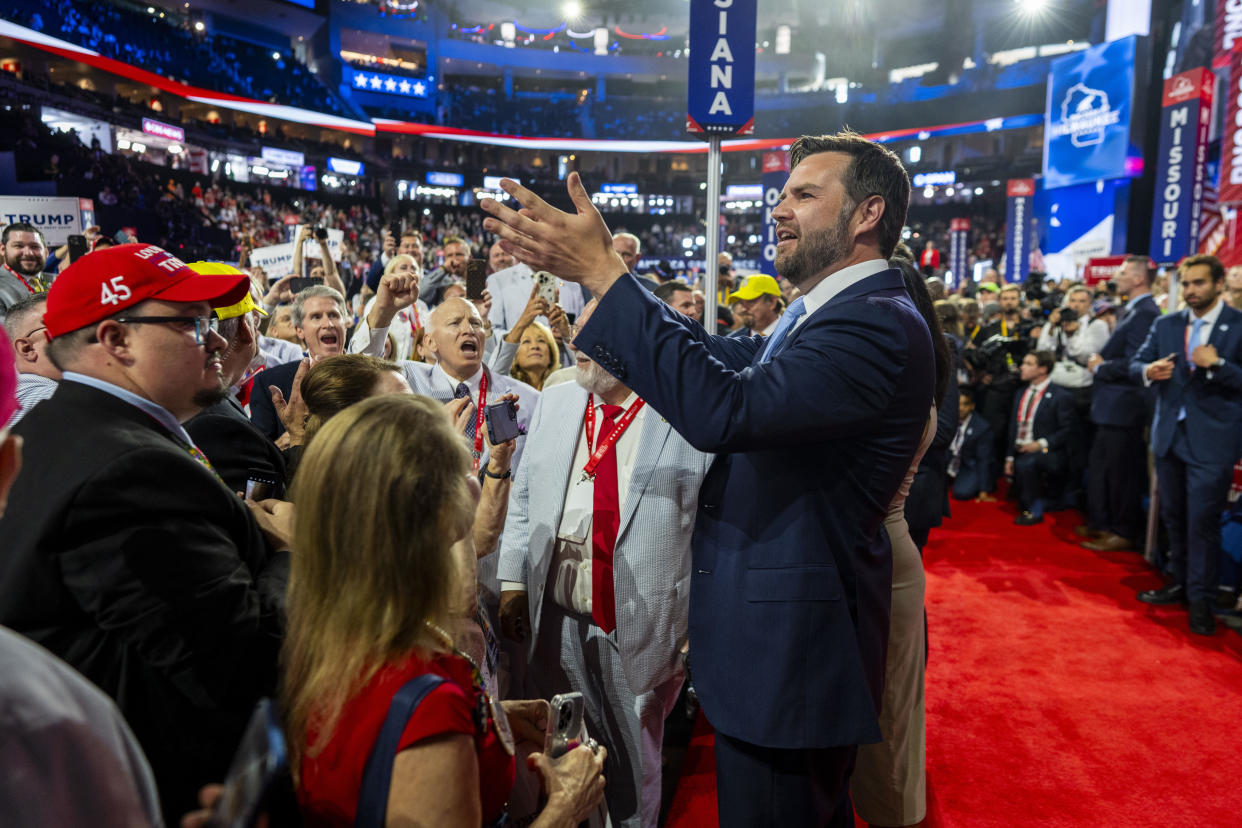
point(1089, 112)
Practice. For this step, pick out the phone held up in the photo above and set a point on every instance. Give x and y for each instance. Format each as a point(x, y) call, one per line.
point(260, 760)
point(547, 287)
point(565, 725)
point(78, 247)
point(502, 422)
point(476, 279)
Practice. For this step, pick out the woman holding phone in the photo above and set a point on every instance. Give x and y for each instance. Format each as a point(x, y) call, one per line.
point(368, 604)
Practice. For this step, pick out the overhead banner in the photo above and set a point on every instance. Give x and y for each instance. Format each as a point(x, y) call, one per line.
point(721, 67)
point(959, 250)
point(57, 218)
point(1101, 269)
point(775, 174)
point(1185, 115)
point(1231, 135)
point(1090, 102)
point(1021, 193)
point(1227, 34)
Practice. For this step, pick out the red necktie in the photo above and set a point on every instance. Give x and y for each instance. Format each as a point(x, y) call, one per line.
point(604, 524)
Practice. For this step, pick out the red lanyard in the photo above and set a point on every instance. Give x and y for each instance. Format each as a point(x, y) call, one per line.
point(22, 279)
point(415, 322)
point(588, 471)
point(1030, 406)
point(480, 410)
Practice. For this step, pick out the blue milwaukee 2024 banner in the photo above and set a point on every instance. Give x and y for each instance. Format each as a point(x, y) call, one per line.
point(721, 97)
point(1185, 115)
point(1090, 101)
point(1021, 192)
point(959, 250)
point(775, 174)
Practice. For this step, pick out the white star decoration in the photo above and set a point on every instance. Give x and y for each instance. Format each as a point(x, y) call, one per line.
point(375, 82)
point(360, 79)
point(420, 89)
point(404, 86)
point(390, 85)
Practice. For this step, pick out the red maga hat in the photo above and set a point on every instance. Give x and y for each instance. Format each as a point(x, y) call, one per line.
point(110, 280)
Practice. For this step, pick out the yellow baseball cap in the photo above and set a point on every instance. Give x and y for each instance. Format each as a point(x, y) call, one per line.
point(755, 287)
point(246, 305)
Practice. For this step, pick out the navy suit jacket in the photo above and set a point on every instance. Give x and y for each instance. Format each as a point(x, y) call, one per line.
point(1056, 420)
point(1212, 397)
point(792, 575)
point(262, 412)
point(928, 502)
point(1116, 399)
point(976, 470)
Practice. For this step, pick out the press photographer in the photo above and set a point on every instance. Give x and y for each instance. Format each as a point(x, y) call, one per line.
point(1073, 336)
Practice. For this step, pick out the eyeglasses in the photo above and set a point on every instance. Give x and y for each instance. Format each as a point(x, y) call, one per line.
point(202, 324)
point(34, 331)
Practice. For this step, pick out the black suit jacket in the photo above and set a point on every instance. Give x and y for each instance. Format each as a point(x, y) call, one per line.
point(1056, 420)
point(1116, 399)
point(130, 560)
point(234, 446)
point(976, 470)
point(262, 412)
point(927, 505)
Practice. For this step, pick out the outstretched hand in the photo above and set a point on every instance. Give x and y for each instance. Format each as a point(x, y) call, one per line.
point(575, 246)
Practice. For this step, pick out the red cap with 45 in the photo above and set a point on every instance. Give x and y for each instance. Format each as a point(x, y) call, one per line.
point(106, 281)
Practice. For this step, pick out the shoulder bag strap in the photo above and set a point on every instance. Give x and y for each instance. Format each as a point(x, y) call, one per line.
point(377, 777)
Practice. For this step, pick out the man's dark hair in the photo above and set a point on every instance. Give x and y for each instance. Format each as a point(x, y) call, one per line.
point(967, 394)
point(15, 323)
point(873, 170)
point(1147, 268)
point(665, 291)
point(1045, 359)
point(1218, 269)
point(21, 227)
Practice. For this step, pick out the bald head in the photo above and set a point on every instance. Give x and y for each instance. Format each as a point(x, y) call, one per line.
point(455, 337)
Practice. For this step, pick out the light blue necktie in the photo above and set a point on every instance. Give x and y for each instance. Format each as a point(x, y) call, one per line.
point(1196, 330)
point(795, 310)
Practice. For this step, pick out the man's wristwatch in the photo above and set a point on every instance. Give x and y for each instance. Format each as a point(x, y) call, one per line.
point(487, 470)
point(1219, 363)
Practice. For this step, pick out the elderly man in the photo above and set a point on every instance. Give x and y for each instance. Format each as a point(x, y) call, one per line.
point(25, 252)
point(790, 591)
point(125, 554)
point(759, 306)
point(237, 450)
point(629, 248)
point(318, 317)
point(37, 376)
point(599, 570)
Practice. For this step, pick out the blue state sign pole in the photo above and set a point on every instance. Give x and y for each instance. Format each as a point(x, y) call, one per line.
point(721, 101)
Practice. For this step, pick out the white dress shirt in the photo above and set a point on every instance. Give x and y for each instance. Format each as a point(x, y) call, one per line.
point(366, 341)
point(472, 383)
point(821, 294)
point(576, 516)
point(770, 328)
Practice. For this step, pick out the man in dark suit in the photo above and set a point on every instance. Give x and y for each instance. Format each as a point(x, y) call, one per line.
point(1120, 408)
point(970, 453)
point(125, 554)
point(1042, 434)
point(222, 430)
point(319, 316)
point(814, 427)
point(927, 505)
point(1193, 358)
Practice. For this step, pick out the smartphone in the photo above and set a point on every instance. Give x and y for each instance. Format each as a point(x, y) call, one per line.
point(261, 484)
point(78, 247)
point(300, 283)
point(565, 724)
point(502, 422)
point(394, 230)
point(260, 760)
point(476, 278)
point(547, 286)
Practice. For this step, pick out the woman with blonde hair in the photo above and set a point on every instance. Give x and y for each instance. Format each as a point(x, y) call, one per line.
point(367, 605)
point(402, 325)
point(537, 356)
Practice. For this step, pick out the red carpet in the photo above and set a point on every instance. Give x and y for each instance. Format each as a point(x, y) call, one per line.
point(1053, 697)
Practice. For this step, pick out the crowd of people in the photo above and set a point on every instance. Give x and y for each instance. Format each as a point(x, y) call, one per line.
point(473, 531)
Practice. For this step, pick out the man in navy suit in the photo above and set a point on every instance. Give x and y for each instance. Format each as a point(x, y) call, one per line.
point(1042, 428)
point(1120, 407)
point(970, 453)
point(815, 428)
point(1192, 358)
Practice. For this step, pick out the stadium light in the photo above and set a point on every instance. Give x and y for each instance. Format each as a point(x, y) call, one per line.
point(572, 10)
point(1031, 8)
point(275, 55)
point(198, 26)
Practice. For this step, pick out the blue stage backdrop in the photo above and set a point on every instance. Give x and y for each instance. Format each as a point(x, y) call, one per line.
point(1088, 117)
